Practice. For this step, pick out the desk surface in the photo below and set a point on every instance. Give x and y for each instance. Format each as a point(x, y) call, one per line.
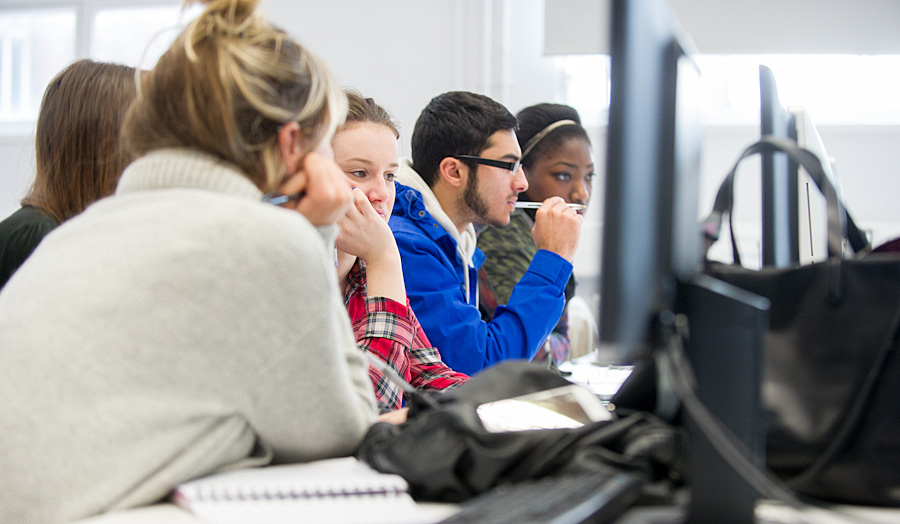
point(603, 380)
point(169, 513)
point(766, 513)
point(155, 514)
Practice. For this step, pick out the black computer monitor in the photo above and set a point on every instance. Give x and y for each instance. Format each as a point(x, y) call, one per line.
point(651, 283)
point(780, 189)
point(651, 236)
point(793, 213)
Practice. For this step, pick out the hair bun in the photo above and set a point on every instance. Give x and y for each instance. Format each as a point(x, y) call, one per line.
point(224, 4)
point(224, 17)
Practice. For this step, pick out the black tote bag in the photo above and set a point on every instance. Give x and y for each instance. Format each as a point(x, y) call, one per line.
point(832, 374)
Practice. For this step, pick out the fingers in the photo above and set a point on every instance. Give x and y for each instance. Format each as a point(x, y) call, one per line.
point(554, 202)
point(557, 207)
point(327, 194)
point(363, 231)
point(398, 416)
point(557, 204)
point(557, 228)
point(360, 212)
point(293, 185)
point(363, 204)
point(359, 198)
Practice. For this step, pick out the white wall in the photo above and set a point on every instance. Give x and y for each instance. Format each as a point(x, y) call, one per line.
point(744, 26)
point(404, 52)
point(400, 52)
point(17, 173)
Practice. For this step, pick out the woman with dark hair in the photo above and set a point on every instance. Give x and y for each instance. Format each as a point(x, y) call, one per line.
point(186, 325)
point(557, 159)
point(77, 154)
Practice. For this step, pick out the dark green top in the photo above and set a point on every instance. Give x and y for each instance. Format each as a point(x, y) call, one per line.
point(508, 252)
point(20, 233)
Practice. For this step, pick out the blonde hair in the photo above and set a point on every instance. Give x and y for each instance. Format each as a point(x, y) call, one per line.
point(227, 85)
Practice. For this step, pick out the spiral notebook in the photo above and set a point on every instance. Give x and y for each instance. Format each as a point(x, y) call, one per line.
point(333, 491)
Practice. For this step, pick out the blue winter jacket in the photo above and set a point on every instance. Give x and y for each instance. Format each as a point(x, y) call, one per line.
point(435, 286)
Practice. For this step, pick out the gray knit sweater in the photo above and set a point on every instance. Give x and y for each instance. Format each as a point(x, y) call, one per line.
point(178, 328)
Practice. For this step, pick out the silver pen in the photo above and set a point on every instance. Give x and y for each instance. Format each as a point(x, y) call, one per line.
point(277, 200)
point(535, 205)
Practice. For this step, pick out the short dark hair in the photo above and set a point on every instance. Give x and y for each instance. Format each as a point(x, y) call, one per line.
point(536, 118)
point(455, 123)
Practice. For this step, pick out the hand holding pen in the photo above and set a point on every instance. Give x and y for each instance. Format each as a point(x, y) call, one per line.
point(318, 190)
point(557, 227)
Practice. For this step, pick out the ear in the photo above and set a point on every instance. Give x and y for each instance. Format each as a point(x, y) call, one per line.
point(292, 145)
point(453, 172)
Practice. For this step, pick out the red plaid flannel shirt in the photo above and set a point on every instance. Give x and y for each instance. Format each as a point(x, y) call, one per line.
point(390, 331)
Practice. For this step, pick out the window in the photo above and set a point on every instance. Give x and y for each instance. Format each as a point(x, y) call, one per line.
point(34, 46)
point(36, 42)
point(136, 36)
point(835, 89)
point(586, 79)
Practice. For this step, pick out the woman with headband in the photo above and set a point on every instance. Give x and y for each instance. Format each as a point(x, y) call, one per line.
point(557, 159)
point(186, 325)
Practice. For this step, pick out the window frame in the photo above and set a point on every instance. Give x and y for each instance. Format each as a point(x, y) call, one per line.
point(85, 13)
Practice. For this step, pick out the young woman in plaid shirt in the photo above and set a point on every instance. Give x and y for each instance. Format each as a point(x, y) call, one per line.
point(368, 262)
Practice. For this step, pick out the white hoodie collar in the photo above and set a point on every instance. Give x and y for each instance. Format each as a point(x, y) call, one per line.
point(465, 241)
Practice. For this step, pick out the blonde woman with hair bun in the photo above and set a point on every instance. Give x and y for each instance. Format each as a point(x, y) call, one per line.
point(186, 325)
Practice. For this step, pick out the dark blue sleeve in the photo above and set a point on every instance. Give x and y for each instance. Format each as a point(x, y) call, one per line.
point(467, 343)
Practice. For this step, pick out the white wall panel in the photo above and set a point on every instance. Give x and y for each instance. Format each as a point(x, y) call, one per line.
point(750, 26)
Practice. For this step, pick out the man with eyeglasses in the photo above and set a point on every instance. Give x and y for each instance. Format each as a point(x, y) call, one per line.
point(465, 170)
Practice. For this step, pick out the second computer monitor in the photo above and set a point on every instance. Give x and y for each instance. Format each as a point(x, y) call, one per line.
point(780, 203)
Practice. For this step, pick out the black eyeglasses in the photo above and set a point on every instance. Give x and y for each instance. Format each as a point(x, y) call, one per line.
point(512, 167)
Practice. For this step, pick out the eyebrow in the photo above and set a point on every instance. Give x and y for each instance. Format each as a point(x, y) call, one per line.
point(369, 162)
point(567, 164)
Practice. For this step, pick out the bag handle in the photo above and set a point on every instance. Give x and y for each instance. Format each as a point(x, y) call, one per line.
point(840, 224)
